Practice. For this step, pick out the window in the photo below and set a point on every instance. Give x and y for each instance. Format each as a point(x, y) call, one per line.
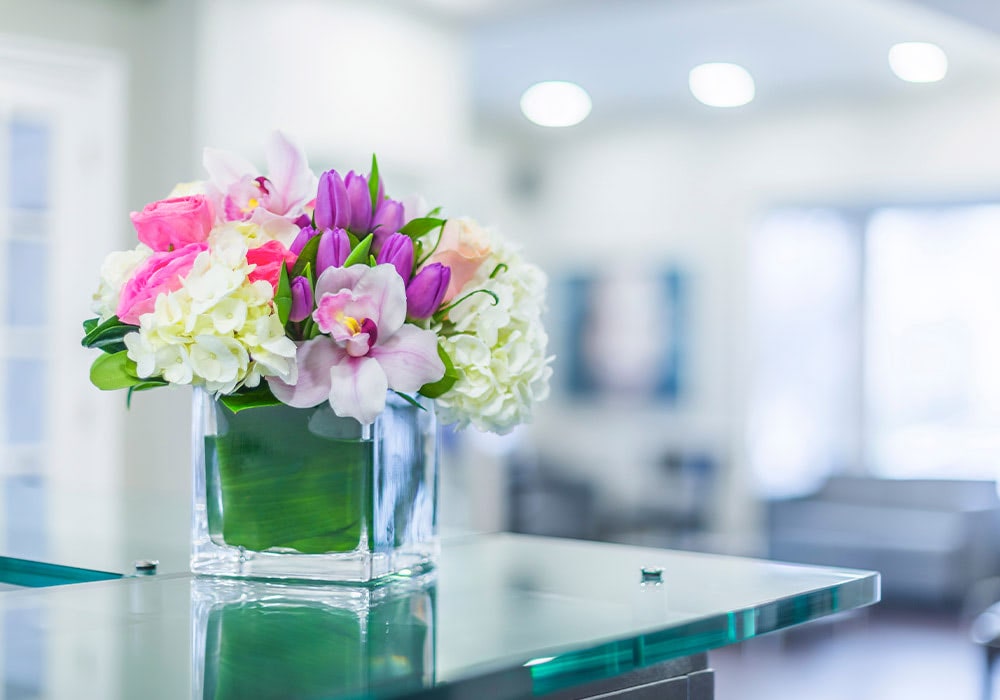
point(804, 352)
point(876, 345)
point(932, 342)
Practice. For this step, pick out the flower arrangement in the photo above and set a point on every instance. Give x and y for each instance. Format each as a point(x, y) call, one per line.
point(288, 288)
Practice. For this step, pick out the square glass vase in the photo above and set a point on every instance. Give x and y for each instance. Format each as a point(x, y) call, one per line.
point(304, 494)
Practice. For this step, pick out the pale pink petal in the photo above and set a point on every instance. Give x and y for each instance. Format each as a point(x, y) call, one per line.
point(414, 206)
point(358, 345)
point(288, 170)
point(314, 359)
point(409, 358)
point(383, 285)
point(358, 386)
point(335, 279)
point(225, 168)
point(276, 227)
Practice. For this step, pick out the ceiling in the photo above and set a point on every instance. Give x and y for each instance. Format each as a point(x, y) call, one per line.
point(633, 56)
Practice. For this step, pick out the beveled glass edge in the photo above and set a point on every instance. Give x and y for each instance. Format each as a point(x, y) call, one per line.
point(29, 573)
point(574, 667)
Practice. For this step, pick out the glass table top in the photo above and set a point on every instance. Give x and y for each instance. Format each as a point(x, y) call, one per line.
point(524, 614)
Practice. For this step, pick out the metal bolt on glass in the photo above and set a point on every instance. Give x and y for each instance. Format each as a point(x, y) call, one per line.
point(652, 574)
point(145, 567)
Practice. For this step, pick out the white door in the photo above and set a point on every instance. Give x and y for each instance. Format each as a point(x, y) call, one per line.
point(61, 151)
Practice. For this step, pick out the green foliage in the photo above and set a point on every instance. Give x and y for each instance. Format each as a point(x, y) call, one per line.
point(307, 257)
point(416, 228)
point(360, 253)
point(445, 383)
point(373, 180)
point(283, 296)
point(116, 371)
point(106, 336)
point(442, 312)
point(409, 399)
point(250, 398)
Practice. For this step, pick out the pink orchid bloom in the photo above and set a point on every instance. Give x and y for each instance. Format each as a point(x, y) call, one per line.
point(367, 349)
point(241, 193)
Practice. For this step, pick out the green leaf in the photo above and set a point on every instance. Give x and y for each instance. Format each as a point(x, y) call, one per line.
point(415, 228)
point(434, 212)
point(90, 324)
point(252, 398)
point(117, 371)
point(283, 296)
point(409, 399)
point(373, 181)
point(107, 336)
point(372, 262)
point(360, 252)
point(306, 257)
point(443, 311)
point(445, 383)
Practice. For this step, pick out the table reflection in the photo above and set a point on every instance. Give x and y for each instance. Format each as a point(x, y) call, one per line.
point(267, 640)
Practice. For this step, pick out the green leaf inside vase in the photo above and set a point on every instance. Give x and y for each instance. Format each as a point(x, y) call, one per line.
point(290, 479)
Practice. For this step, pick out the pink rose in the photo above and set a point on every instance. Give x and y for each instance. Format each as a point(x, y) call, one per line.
point(173, 223)
point(161, 273)
point(269, 258)
point(463, 247)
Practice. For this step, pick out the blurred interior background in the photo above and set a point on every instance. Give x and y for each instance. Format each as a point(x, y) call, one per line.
point(807, 281)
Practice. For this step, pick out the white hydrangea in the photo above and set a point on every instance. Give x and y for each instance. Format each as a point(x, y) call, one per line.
point(187, 189)
point(256, 233)
point(219, 329)
point(498, 350)
point(116, 270)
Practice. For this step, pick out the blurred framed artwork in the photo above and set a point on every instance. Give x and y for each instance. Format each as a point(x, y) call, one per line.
point(622, 335)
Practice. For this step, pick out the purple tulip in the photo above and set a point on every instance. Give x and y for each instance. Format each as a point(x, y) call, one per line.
point(300, 241)
point(333, 207)
point(398, 251)
point(360, 201)
point(302, 299)
point(387, 220)
point(303, 221)
point(426, 290)
point(334, 247)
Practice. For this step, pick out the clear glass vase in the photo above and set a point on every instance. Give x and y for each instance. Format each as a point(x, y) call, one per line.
point(259, 639)
point(301, 493)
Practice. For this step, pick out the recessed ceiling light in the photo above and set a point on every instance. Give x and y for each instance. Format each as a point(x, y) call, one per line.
point(721, 84)
point(918, 62)
point(555, 103)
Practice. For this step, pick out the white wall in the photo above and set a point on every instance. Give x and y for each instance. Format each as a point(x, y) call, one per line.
point(158, 151)
point(346, 78)
point(693, 193)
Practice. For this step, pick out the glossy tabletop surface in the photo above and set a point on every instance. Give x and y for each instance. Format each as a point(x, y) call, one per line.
point(522, 615)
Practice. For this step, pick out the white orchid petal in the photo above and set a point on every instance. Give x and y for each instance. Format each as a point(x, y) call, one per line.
point(314, 359)
point(383, 285)
point(288, 170)
point(409, 358)
point(275, 227)
point(335, 279)
point(358, 387)
point(225, 168)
